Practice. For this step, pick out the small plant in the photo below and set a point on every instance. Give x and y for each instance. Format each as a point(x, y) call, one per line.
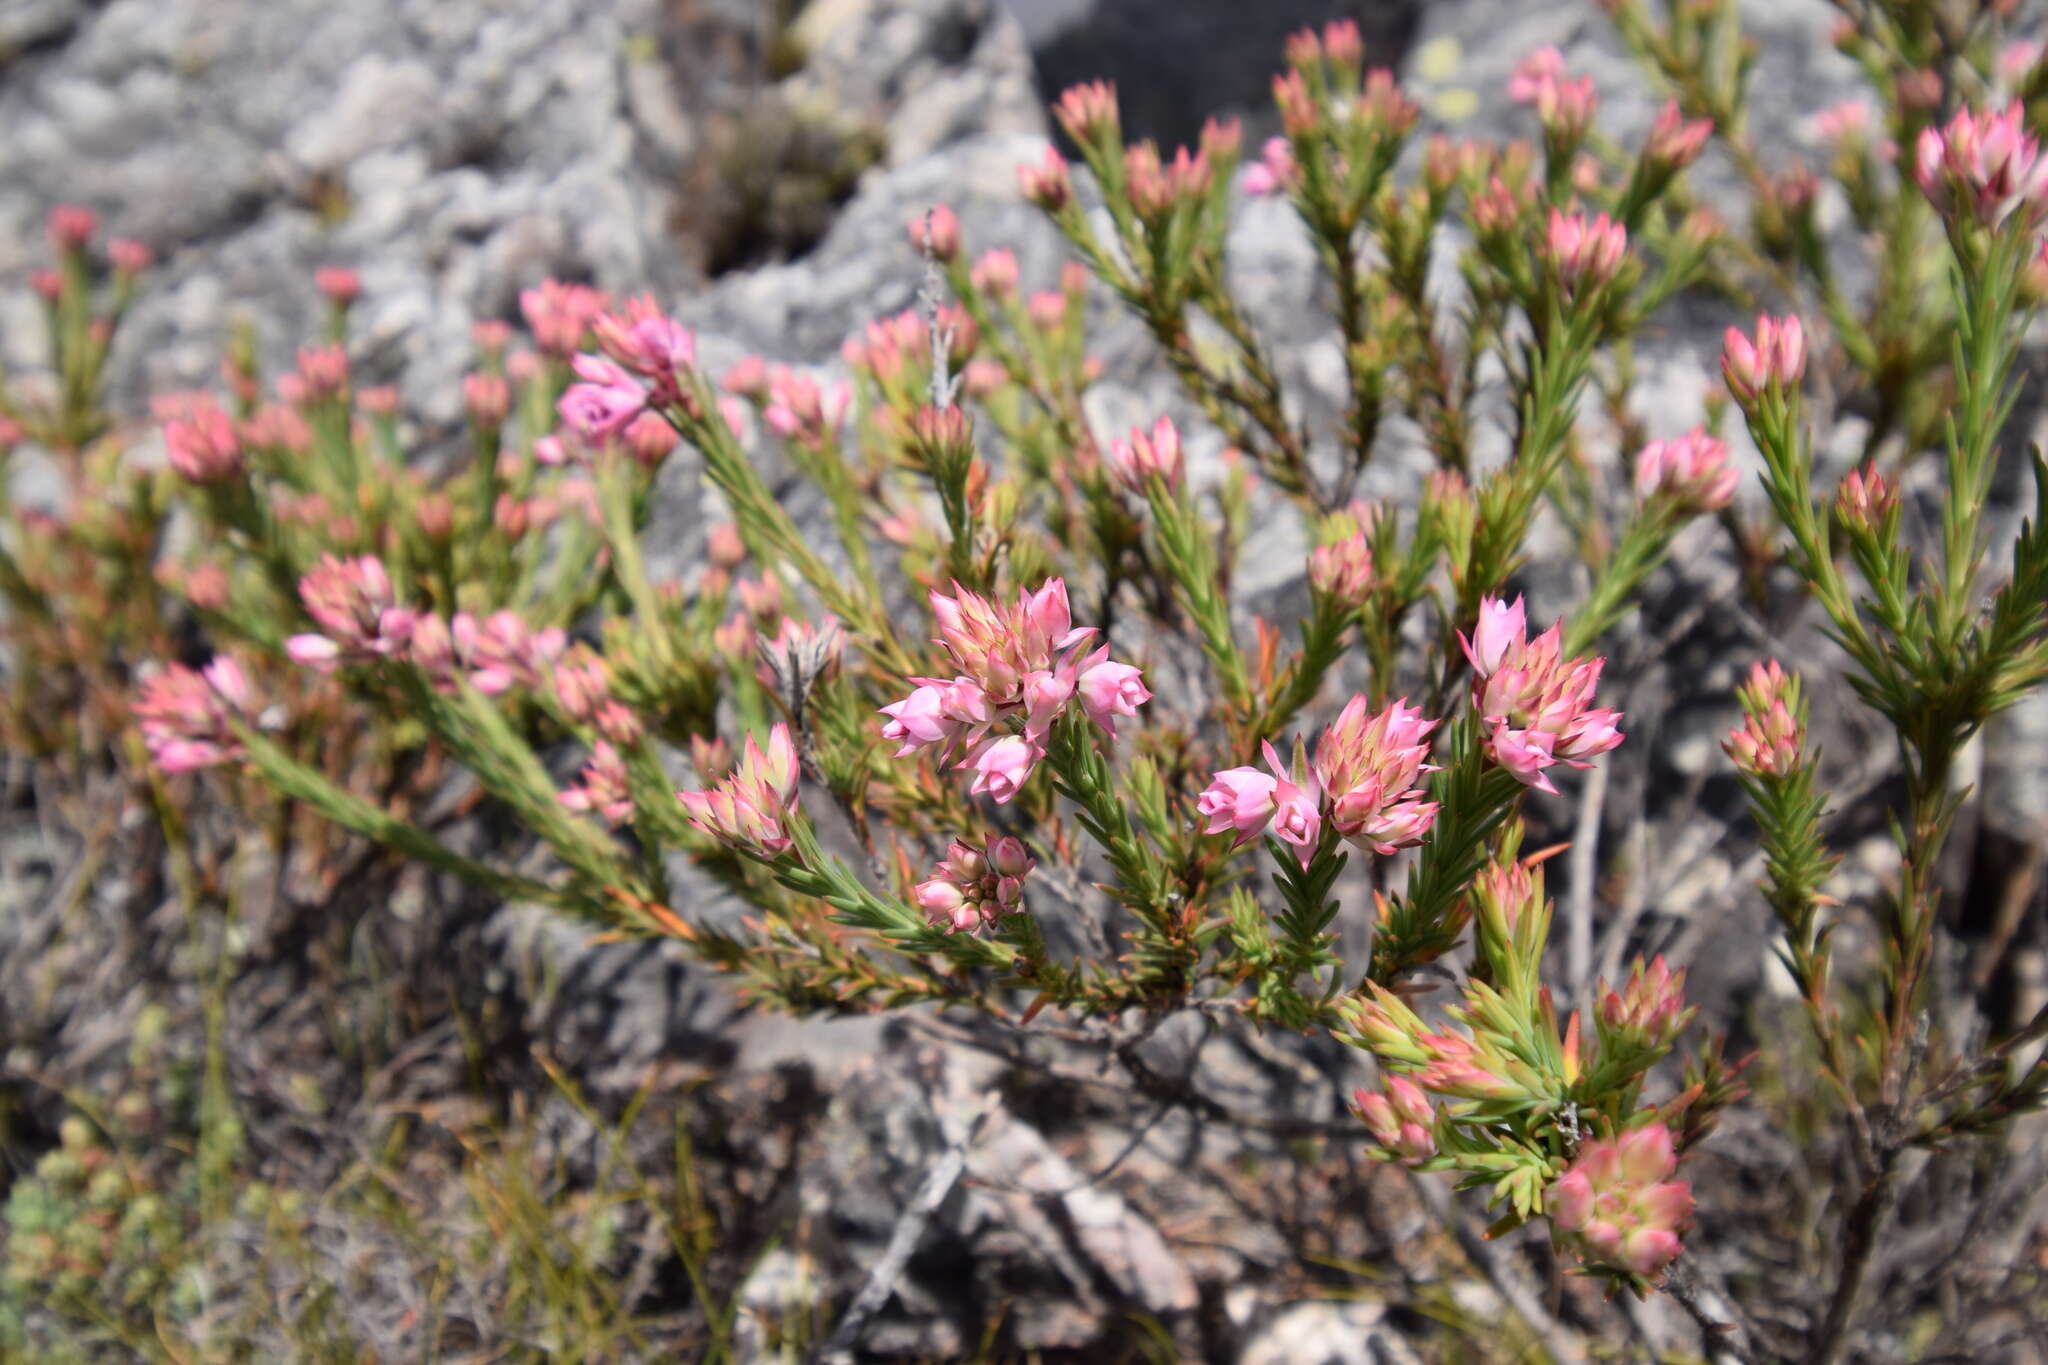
point(998, 702)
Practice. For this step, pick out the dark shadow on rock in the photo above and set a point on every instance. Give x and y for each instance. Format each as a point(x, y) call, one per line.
point(1175, 62)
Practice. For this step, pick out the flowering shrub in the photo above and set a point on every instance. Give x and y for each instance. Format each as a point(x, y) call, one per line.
point(1010, 644)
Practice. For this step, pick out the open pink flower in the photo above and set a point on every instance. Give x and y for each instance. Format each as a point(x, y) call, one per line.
point(352, 601)
point(1984, 164)
point(1003, 766)
point(1109, 689)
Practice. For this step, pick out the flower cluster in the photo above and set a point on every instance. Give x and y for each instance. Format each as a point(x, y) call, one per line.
point(184, 714)
point(352, 601)
point(1584, 252)
point(1148, 455)
point(1775, 356)
point(1363, 780)
point(1618, 1205)
point(1984, 164)
point(1019, 664)
point(200, 440)
point(604, 788)
point(645, 355)
point(748, 807)
point(1650, 1008)
point(1537, 707)
point(1403, 1120)
point(1771, 736)
point(1690, 473)
point(1565, 106)
point(974, 887)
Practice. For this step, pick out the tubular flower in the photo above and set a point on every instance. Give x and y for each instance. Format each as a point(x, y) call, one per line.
point(353, 602)
point(604, 789)
point(1538, 708)
point(1403, 1120)
point(1288, 803)
point(746, 810)
point(1617, 1204)
point(184, 714)
point(1018, 665)
point(974, 887)
point(1368, 768)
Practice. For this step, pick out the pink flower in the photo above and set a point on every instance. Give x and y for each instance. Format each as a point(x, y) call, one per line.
point(1534, 74)
point(560, 314)
point(1369, 767)
point(200, 439)
point(996, 272)
point(1241, 799)
point(129, 257)
point(185, 715)
point(1109, 689)
point(748, 808)
point(648, 343)
point(503, 652)
point(1275, 172)
point(1342, 571)
point(1650, 1006)
point(1088, 111)
point(936, 230)
point(338, 284)
point(1777, 356)
point(352, 601)
point(1144, 457)
point(1537, 707)
point(1676, 141)
point(1690, 473)
point(1297, 806)
point(1987, 164)
point(799, 410)
point(975, 886)
point(604, 404)
point(1616, 1205)
point(604, 789)
point(70, 227)
point(1500, 628)
point(1583, 253)
point(1002, 766)
point(1403, 1120)
point(1049, 185)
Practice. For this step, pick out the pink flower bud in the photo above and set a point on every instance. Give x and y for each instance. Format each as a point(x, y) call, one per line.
point(71, 227)
point(1691, 473)
point(340, 285)
point(1776, 356)
point(1048, 184)
point(937, 230)
point(1002, 767)
point(1145, 457)
point(996, 273)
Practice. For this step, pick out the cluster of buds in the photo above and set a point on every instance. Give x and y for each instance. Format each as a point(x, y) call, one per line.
point(648, 344)
point(1145, 457)
point(1986, 165)
point(937, 231)
point(501, 652)
point(1157, 187)
point(1866, 502)
point(1538, 708)
point(604, 789)
point(185, 714)
point(1402, 1120)
point(199, 437)
point(1772, 736)
point(1015, 664)
point(1584, 253)
point(352, 601)
point(1565, 106)
point(1649, 1010)
point(1617, 1204)
point(1774, 358)
point(1363, 780)
point(897, 351)
point(582, 684)
point(801, 410)
point(1676, 141)
point(1690, 473)
point(1342, 571)
point(973, 887)
point(1049, 184)
point(748, 808)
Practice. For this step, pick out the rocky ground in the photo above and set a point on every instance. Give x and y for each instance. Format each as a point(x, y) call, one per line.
point(755, 172)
